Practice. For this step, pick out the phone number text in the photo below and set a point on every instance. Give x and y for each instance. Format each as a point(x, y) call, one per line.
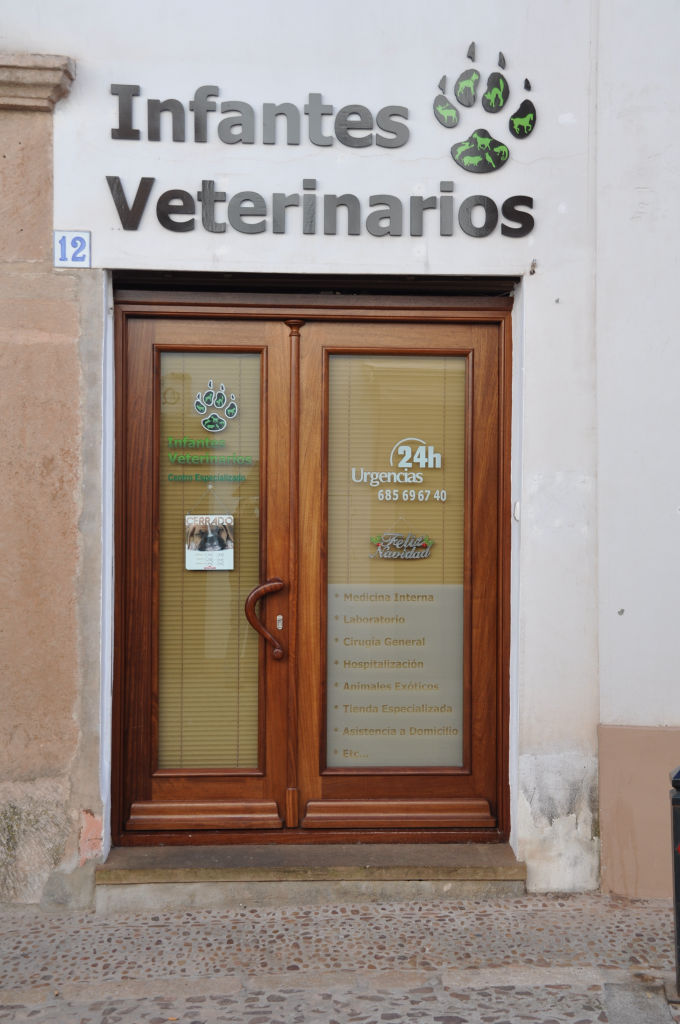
point(386, 494)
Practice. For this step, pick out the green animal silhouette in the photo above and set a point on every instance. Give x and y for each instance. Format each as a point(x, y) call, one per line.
point(215, 423)
point(495, 96)
point(467, 85)
point(448, 113)
point(482, 152)
point(526, 122)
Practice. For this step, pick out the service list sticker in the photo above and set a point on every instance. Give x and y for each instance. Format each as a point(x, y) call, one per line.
point(209, 542)
point(395, 675)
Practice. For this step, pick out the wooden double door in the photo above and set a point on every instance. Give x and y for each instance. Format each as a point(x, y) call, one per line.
point(312, 569)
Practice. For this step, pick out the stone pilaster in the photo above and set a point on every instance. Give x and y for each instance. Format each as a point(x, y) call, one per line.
point(44, 753)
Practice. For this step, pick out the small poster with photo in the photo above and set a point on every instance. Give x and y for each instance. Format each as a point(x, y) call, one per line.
point(209, 542)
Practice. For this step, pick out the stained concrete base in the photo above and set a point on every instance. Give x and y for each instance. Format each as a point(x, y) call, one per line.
point(228, 876)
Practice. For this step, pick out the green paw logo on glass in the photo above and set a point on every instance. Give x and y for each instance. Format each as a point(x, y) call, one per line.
point(481, 152)
point(222, 407)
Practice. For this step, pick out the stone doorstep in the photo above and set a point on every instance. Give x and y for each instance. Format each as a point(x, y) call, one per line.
point(464, 863)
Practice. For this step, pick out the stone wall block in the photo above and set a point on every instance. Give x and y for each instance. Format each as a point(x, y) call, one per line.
point(30, 85)
point(25, 186)
point(40, 506)
point(42, 823)
point(34, 831)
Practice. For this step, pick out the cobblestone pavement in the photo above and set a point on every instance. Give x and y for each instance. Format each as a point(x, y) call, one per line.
point(529, 960)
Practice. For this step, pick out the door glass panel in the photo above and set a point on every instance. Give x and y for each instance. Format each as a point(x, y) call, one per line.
point(208, 559)
point(396, 495)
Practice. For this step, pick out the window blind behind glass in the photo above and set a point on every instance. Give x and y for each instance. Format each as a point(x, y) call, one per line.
point(208, 654)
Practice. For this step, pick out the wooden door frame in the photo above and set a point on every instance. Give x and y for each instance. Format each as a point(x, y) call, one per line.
point(296, 309)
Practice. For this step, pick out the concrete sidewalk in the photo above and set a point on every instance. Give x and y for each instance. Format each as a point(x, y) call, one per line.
point(504, 960)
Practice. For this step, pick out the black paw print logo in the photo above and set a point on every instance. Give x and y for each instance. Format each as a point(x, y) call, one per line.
point(481, 153)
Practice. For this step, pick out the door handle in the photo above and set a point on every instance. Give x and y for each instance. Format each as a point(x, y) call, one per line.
point(261, 590)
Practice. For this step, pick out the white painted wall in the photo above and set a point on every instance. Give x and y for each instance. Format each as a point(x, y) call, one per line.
point(602, 168)
point(638, 270)
point(261, 54)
